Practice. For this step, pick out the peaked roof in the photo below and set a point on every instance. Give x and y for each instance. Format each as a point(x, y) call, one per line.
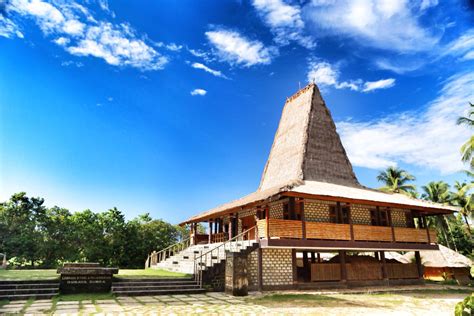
point(307, 157)
point(307, 145)
point(444, 257)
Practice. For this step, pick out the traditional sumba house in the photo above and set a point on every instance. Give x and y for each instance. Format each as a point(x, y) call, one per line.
point(309, 202)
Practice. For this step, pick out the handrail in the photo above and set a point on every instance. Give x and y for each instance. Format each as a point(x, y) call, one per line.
point(198, 269)
point(168, 251)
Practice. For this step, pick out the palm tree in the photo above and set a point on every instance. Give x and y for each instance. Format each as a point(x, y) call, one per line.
point(438, 192)
point(396, 181)
point(467, 149)
point(463, 199)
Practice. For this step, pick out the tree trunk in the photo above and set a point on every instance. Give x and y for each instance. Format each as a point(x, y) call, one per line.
point(467, 223)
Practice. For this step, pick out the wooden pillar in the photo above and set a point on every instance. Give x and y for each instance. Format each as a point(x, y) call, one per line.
point(427, 230)
point(260, 268)
point(313, 257)
point(267, 218)
point(293, 260)
point(418, 264)
point(338, 212)
point(303, 219)
point(351, 226)
point(291, 207)
point(210, 231)
point(319, 257)
point(342, 258)
point(376, 254)
point(305, 265)
point(384, 265)
point(230, 226)
point(389, 212)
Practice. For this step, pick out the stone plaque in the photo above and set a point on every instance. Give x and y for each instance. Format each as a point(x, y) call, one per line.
point(85, 278)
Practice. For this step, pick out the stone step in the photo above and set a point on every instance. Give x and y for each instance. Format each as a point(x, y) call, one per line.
point(158, 292)
point(28, 285)
point(155, 287)
point(116, 284)
point(3, 282)
point(29, 291)
point(13, 297)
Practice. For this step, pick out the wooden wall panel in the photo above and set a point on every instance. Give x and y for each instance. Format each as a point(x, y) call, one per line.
point(364, 271)
point(411, 235)
point(402, 271)
point(325, 272)
point(372, 233)
point(328, 231)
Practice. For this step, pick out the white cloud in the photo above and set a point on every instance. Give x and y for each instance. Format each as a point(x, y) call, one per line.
point(386, 24)
point(173, 47)
point(380, 84)
point(118, 48)
point(216, 73)
point(236, 49)
point(284, 21)
point(462, 47)
point(81, 34)
point(324, 74)
point(429, 138)
point(9, 29)
point(201, 92)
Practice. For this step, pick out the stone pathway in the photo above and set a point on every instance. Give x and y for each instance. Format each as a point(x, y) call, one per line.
point(221, 304)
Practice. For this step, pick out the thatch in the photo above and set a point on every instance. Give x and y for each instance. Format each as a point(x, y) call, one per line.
point(307, 157)
point(306, 145)
point(444, 257)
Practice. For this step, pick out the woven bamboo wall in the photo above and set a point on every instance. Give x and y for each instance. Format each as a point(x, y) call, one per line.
point(317, 211)
point(398, 217)
point(360, 214)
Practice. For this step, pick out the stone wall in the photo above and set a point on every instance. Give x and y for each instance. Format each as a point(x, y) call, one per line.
point(277, 268)
point(252, 270)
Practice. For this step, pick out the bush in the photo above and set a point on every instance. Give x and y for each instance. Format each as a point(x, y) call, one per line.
point(465, 307)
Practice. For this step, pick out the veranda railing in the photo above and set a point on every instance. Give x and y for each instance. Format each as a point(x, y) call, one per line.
point(156, 257)
point(235, 244)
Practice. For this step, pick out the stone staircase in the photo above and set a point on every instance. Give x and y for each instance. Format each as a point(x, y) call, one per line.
point(22, 290)
point(141, 287)
point(183, 261)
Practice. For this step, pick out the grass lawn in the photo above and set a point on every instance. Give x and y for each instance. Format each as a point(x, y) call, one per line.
point(40, 274)
point(45, 274)
point(149, 273)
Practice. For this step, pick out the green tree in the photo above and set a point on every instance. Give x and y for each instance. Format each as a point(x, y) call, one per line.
point(463, 199)
point(438, 192)
point(467, 149)
point(396, 180)
point(20, 236)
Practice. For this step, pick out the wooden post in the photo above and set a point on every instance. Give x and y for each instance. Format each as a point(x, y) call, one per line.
point(350, 224)
point(303, 220)
point(342, 258)
point(260, 268)
point(293, 259)
point(338, 212)
point(418, 264)
point(313, 257)
point(210, 231)
point(305, 265)
point(267, 218)
point(230, 226)
point(319, 257)
point(384, 265)
point(389, 211)
point(427, 229)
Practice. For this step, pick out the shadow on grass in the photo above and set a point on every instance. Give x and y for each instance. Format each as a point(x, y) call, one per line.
point(307, 300)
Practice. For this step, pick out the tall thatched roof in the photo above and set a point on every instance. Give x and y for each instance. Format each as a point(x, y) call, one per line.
point(444, 257)
point(307, 157)
point(306, 145)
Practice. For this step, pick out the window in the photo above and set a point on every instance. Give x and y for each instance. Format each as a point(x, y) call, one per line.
point(332, 214)
point(379, 217)
point(341, 217)
point(286, 213)
point(345, 214)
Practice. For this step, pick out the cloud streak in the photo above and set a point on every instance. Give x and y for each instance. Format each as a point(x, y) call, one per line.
point(213, 72)
point(200, 92)
point(326, 75)
point(237, 49)
point(427, 139)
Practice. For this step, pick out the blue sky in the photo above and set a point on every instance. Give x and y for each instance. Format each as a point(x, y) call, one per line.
point(170, 107)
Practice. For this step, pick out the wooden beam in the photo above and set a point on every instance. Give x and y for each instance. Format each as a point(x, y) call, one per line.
point(351, 224)
point(418, 264)
point(267, 219)
point(342, 244)
point(384, 265)
point(427, 229)
point(306, 266)
point(389, 212)
point(432, 210)
point(303, 219)
point(342, 261)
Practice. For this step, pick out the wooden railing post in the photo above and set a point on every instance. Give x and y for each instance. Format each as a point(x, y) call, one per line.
point(267, 219)
point(210, 231)
point(389, 212)
point(303, 220)
point(351, 226)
